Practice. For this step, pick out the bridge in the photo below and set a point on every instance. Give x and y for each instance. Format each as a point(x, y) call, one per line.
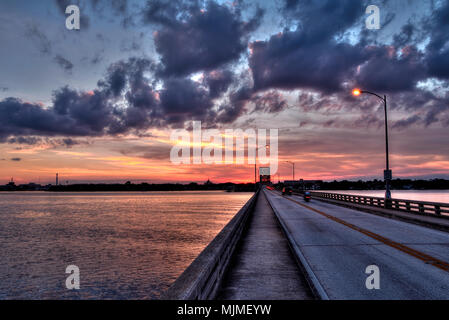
point(281, 247)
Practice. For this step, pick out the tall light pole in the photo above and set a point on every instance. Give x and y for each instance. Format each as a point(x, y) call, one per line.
point(255, 163)
point(293, 169)
point(387, 173)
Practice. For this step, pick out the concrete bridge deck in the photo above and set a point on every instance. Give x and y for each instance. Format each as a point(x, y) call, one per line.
point(263, 267)
point(280, 247)
point(339, 243)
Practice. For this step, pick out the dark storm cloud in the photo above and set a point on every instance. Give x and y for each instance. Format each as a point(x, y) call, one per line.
point(192, 38)
point(72, 114)
point(218, 82)
point(283, 63)
point(125, 101)
point(438, 47)
point(123, 72)
point(75, 113)
point(63, 63)
point(309, 56)
point(207, 37)
point(236, 107)
point(184, 99)
point(386, 72)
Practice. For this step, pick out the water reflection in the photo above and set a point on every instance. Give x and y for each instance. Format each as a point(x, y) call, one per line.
point(127, 245)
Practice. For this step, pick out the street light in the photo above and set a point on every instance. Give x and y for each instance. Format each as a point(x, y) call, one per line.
point(387, 173)
point(255, 162)
point(293, 169)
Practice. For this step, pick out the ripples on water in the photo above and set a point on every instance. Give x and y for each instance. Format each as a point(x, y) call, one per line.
point(127, 245)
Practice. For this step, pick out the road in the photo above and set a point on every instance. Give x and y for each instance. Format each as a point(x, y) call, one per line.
point(337, 244)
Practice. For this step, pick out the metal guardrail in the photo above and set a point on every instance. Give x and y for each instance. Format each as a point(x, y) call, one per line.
point(201, 280)
point(411, 206)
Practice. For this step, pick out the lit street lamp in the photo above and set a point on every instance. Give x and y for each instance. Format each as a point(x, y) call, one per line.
point(387, 173)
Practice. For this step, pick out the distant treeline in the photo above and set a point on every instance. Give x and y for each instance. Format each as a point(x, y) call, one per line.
point(154, 187)
point(396, 184)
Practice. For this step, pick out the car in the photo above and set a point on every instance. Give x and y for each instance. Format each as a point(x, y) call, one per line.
point(307, 196)
point(287, 191)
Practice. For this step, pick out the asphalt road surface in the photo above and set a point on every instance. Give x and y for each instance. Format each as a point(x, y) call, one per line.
point(338, 244)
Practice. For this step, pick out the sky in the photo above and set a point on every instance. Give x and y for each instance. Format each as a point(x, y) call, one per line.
point(99, 104)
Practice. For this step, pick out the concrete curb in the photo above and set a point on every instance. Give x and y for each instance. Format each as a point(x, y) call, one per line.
point(314, 283)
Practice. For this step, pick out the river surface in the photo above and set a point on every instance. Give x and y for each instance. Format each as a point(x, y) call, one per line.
point(419, 195)
point(127, 245)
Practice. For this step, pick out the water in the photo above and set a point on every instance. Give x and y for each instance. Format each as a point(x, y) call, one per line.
point(441, 196)
point(126, 245)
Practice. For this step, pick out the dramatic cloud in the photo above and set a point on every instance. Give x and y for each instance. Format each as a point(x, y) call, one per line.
point(283, 63)
point(438, 47)
point(218, 82)
point(309, 56)
point(236, 106)
point(386, 72)
point(192, 38)
point(203, 74)
point(125, 101)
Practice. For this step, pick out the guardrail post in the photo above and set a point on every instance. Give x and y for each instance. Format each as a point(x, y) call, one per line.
point(407, 206)
point(387, 203)
point(438, 210)
point(421, 208)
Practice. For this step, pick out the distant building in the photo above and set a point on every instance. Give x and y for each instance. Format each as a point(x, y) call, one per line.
point(264, 175)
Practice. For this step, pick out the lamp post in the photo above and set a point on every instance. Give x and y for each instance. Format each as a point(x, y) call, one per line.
point(387, 173)
point(255, 163)
point(293, 169)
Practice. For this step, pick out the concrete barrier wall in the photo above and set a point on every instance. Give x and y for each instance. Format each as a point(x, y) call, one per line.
point(202, 278)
